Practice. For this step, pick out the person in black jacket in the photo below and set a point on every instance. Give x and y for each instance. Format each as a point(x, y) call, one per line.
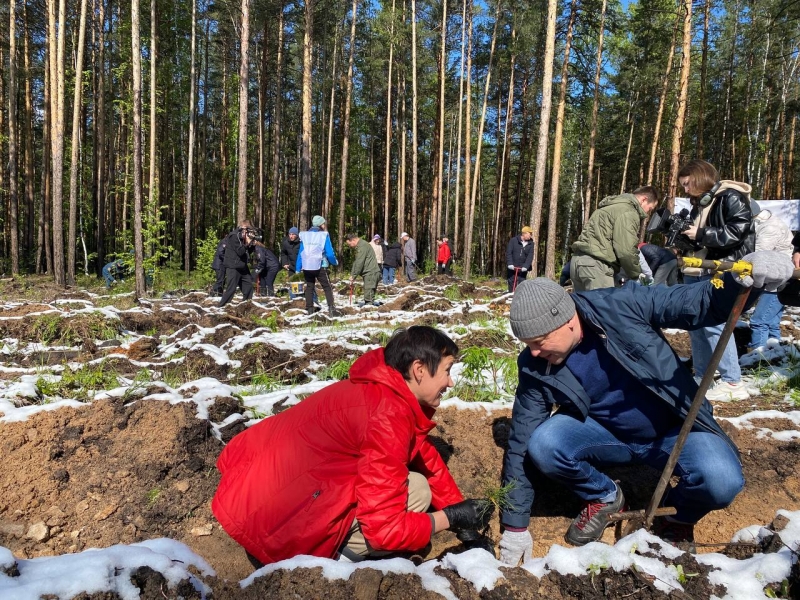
point(392, 259)
point(289, 248)
point(662, 262)
point(238, 251)
point(722, 230)
point(219, 256)
point(519, 256)
point(266, 269)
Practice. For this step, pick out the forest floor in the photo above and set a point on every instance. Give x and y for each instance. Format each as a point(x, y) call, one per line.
point(113, 413)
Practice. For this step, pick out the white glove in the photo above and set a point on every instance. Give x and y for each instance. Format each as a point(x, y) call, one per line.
point(516, 546)
point(770, 270)
point(510, 267)
point(523, 270)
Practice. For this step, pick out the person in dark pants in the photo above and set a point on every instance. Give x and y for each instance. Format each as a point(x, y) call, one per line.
point(267, 268)
point(289, 248)
point(444, 258)
point(238, 250)
point(662, 262)
point(519, 257)
point(392, 260)
point(219, 257)
point(313, 258)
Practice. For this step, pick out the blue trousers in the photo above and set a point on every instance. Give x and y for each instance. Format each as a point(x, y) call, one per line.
point(703, 343)
point(570, 452)
point(765, 324)
point(388, 275)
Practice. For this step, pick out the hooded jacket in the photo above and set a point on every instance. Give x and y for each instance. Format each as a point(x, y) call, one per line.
point(293, 483)
point(444, 254)
point(237, 255)
point(772, 233)
point(265, 260)
point(630, 319)
point(612, 234)
point(728, 231)
point(365, 261)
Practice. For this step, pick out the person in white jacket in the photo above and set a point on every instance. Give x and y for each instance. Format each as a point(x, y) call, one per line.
point(771, 234)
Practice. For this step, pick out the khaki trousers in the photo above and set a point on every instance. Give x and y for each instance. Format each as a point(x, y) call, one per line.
point(588, 273)
point(419, 500)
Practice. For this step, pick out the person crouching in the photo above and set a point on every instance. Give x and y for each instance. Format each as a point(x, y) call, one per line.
point(350, 471)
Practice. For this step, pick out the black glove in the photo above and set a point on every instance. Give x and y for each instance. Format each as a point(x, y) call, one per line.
point(472, 539)
point(469, 514)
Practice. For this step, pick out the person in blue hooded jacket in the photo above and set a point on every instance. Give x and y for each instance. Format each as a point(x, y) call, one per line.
point(314, 257)
point(599, 385)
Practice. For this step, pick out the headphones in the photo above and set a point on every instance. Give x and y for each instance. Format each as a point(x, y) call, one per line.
point(706, 198)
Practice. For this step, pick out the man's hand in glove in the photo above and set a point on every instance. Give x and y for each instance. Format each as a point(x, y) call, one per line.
point(516, 546)
point(770, 270)
point(469, 514)
point(510, 267)
point(523, 270)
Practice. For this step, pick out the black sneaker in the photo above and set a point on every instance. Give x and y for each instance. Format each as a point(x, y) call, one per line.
point(313, 310)
point(680, 535)
point(334, 312)
point(588, 526)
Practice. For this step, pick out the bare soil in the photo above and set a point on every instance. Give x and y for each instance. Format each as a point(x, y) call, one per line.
point(117, 472)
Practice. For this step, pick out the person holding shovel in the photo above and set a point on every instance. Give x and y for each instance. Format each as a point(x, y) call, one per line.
point(350, 472)
point(366, 265)
point(600, 386)
point(519, 256)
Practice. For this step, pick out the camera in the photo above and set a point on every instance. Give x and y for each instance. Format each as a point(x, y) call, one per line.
point(254, 234)
point(671, 226)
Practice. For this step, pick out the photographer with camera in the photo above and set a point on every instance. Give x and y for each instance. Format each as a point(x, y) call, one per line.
point(239, 247)
point(608, 242)
point(722, 229)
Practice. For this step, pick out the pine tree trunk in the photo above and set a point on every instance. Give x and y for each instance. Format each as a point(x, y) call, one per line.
point(414, 121)
point(328, 204)
point(348, 101)
point(262, 108)
point(13, 137)
point(552, 217)
point(387, 192)
point(509, 109)
point(305, 156)
point(683, 96)
point(29, 169)
point(276, 128)
point(468, 139)
point(76, 140)
point(152, 203)
point(666, 84)
point(244, 60)
point(187, 225)
point(439, 173)
point(479, 147)
point(56, 47)
point(136, 53)
point(100, 143)
point(460, 124)
point(595, 107)
point(701, 101)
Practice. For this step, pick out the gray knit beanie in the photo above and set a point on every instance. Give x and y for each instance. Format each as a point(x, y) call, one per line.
point(540, 306)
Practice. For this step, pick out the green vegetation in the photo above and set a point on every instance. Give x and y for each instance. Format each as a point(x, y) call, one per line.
point(153, 496)
point(270, 322)
point(262, 383)
point(77, 384)
point(140, 381)
point(54, 328)
point(336, 371)
point(502, 369)
point(452, 292)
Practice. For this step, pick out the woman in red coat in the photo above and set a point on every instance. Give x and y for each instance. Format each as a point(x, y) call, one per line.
point(350, 470)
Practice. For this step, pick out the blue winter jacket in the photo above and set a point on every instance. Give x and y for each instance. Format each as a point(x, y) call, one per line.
point(630, 319)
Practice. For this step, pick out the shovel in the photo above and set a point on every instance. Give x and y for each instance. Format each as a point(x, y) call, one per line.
point(740, 268)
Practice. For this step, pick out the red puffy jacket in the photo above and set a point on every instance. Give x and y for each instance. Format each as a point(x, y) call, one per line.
point(444, 254)
point(293, 483)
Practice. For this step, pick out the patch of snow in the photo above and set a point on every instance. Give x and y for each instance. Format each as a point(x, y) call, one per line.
point(745, 421)
point(477, 566)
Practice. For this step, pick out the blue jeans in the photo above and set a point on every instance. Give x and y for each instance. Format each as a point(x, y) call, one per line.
point(704, 341)
point(388, 275)
point(765, 324)
point(570, 451)
point(107, 274)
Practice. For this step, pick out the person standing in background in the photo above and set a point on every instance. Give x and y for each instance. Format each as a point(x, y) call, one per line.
point(410, 256)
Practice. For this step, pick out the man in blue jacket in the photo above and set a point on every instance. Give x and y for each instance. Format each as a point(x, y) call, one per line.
point(599, 386)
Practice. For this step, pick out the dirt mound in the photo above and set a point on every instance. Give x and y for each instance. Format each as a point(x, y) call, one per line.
point(143, 349)
point(261, 358)
point(25, 309)
point(196, 364)
point(103, 475)
point(59, 329)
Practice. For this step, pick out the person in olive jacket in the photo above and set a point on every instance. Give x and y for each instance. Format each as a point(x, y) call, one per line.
point(519, 256)
point(367, 265)
point(609, 241)
point(239, 246)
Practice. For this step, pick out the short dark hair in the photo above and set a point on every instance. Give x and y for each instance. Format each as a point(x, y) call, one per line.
point(351, 236)
point(647, 190)
point(419, 342)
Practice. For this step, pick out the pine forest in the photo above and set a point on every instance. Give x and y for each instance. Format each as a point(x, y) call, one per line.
point(151, 128)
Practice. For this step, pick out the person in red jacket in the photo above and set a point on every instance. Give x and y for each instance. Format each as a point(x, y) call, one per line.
point(444, 257)
point(350, 471)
